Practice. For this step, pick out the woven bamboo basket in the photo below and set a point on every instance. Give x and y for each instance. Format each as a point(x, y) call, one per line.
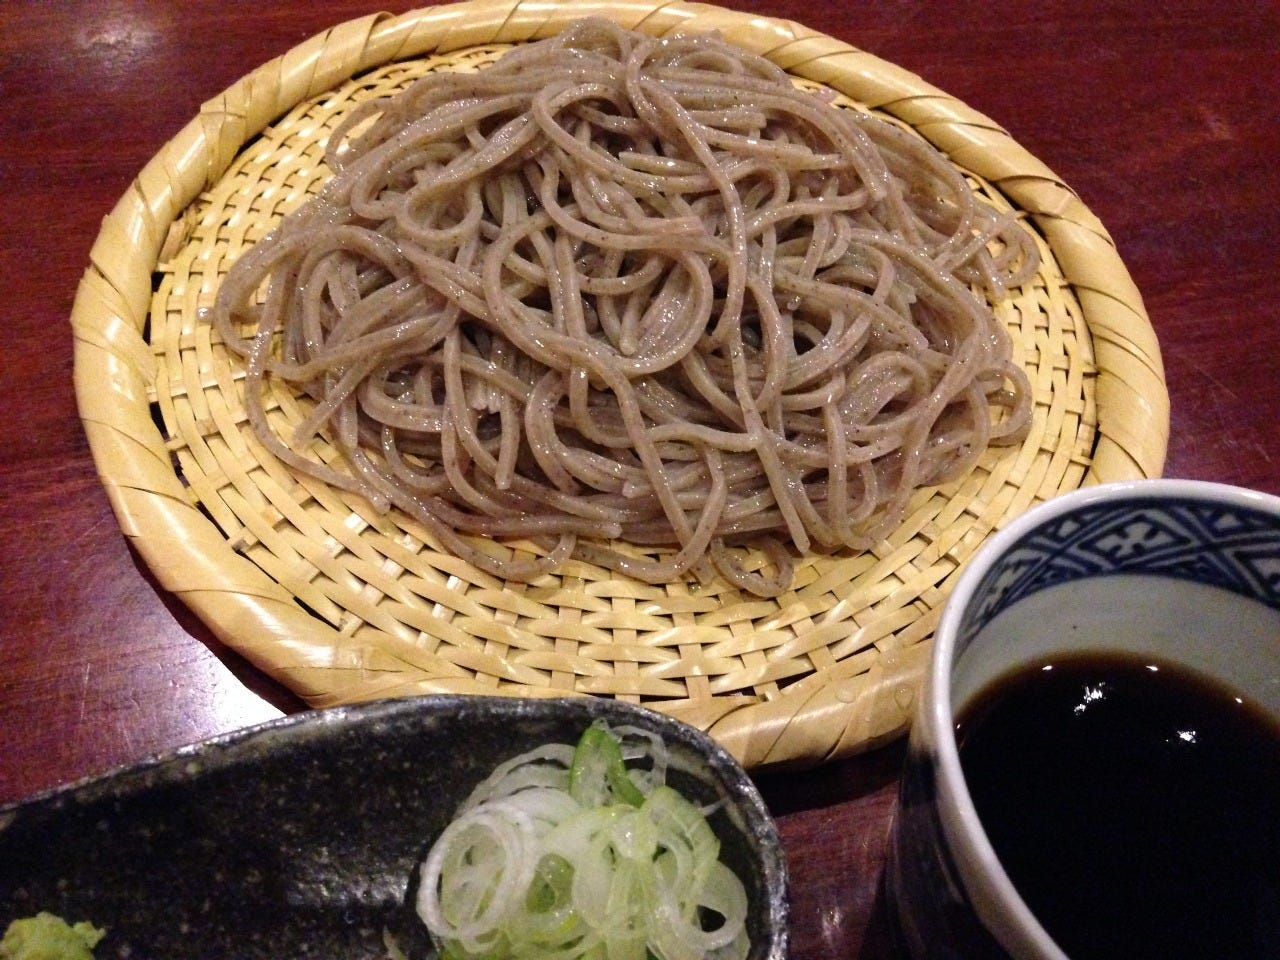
point(344, 604)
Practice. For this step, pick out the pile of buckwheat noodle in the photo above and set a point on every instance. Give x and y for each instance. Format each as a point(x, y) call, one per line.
point(639, 302)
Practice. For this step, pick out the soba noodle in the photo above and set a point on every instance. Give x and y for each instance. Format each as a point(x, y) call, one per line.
point(619, 290)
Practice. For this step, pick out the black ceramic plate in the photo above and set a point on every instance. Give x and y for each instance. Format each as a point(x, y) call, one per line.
point(300, 838)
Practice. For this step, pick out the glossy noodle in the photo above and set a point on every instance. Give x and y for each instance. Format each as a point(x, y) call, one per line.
point(637, 302)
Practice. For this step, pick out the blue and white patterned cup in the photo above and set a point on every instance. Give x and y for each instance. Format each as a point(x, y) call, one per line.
point(1184, 571)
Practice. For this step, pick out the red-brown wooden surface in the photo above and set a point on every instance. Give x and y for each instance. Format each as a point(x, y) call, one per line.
point(1164, 117)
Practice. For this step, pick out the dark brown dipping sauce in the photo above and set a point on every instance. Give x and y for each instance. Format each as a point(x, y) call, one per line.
point(1136, 810)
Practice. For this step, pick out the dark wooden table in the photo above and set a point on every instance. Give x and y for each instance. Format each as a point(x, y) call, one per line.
point(1164, 117)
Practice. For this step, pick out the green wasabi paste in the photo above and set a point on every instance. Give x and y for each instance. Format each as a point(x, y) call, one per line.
point(49, 937)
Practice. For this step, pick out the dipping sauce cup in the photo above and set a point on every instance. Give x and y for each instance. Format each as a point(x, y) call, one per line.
point(1093, 819)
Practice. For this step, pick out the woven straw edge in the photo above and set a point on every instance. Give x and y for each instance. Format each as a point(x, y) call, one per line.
point(254, 615)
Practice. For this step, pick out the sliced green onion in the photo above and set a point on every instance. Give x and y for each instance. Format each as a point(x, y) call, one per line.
point(566, 853)
point(598, 774)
